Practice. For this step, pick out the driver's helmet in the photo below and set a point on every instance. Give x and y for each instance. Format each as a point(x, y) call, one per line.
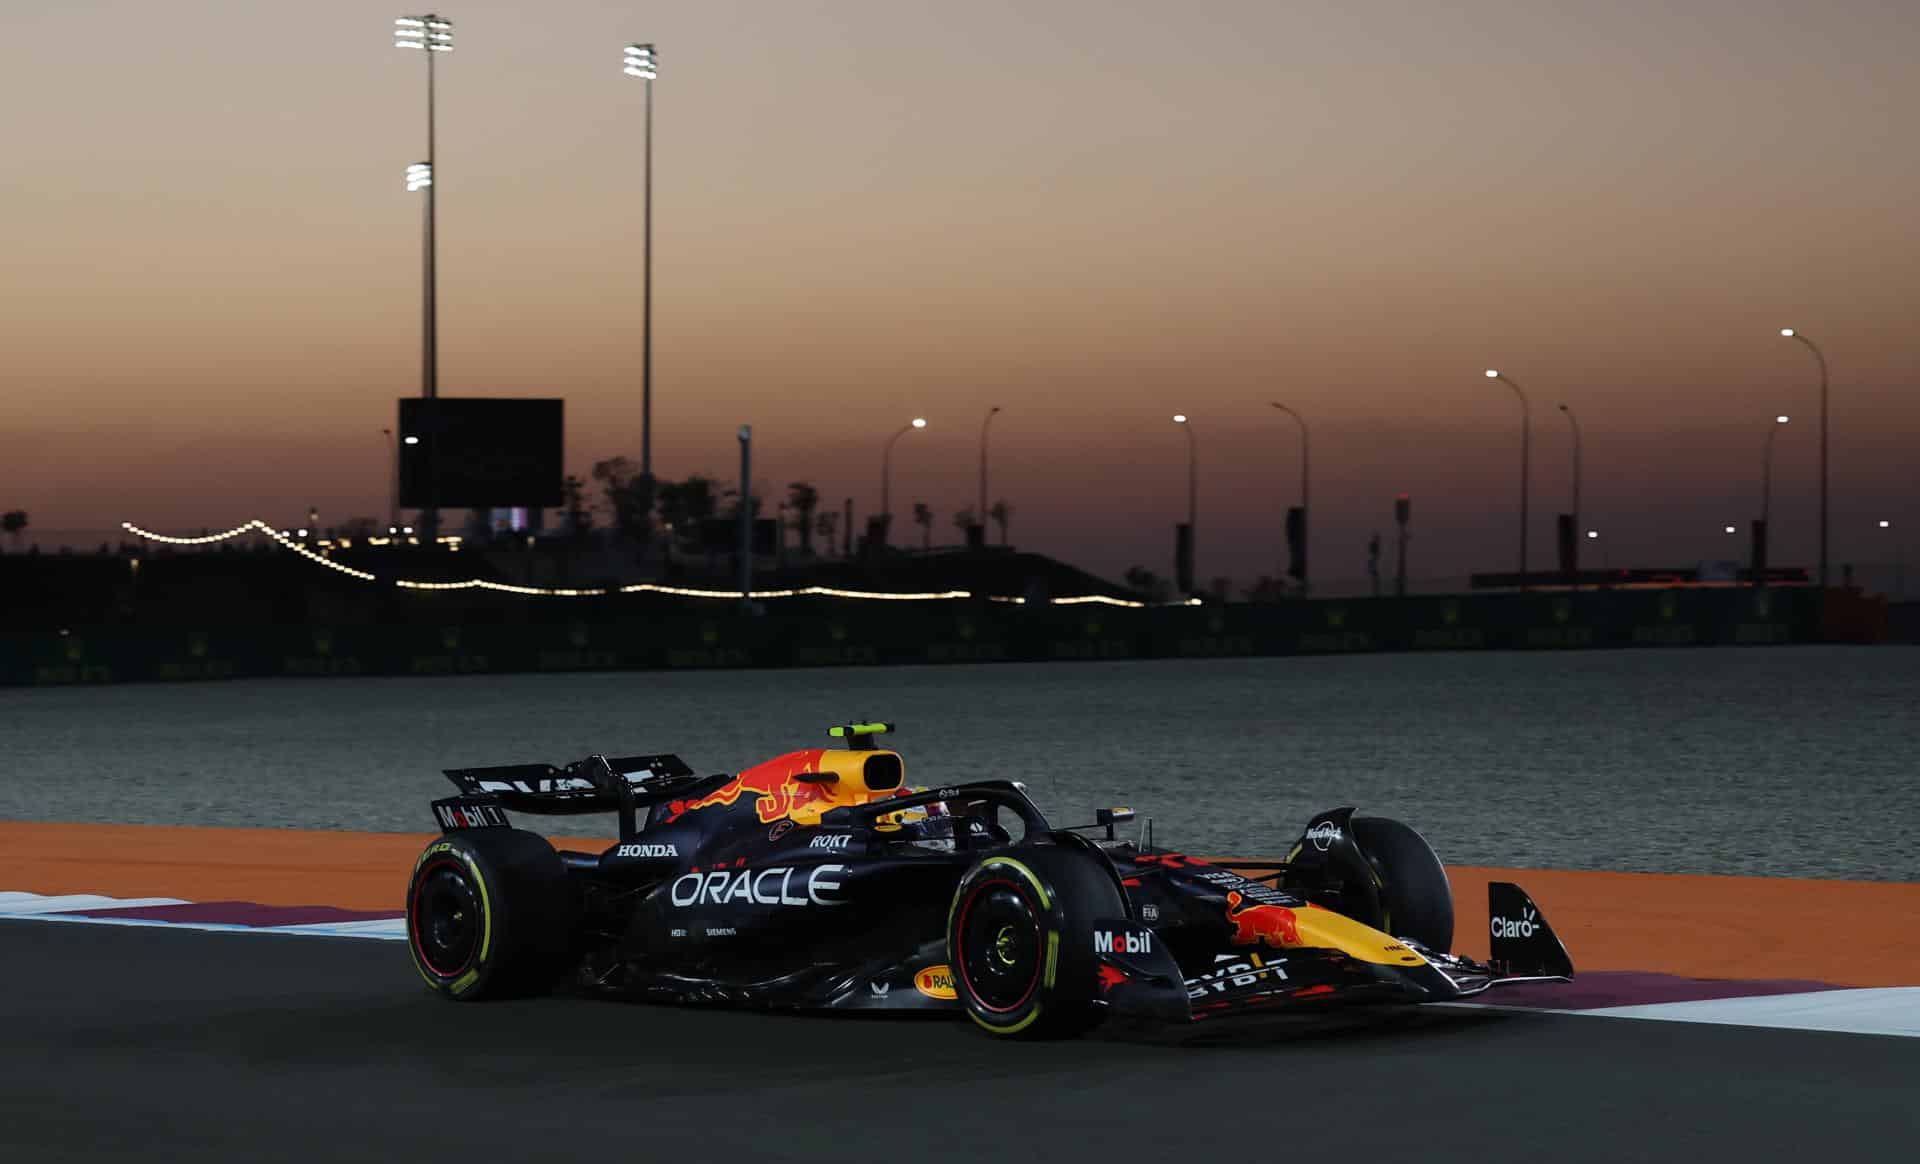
point(924, 826)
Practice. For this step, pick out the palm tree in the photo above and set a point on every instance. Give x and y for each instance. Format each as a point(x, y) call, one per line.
point(964, 520)
point(13, 521)
point(803, 499)
point(1000, 512)
point(923, 517)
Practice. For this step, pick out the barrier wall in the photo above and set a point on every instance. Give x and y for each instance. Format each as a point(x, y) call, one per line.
point(808, 633)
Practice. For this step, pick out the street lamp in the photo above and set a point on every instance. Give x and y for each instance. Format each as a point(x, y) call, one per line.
point(980, 515)
point(431, 35)
point(1193, 470)
point(1821, 359)
point(639, 60)
point(1899, 561)
point(1305, 482)
point(1766, 466)
point(886, 476)
point(1766, 500)
point(1575, 512)
point(1526, 426)
point(1193, 503)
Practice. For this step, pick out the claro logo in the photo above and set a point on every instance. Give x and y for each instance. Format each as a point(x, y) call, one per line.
point(776, 886)
point(1528, 922)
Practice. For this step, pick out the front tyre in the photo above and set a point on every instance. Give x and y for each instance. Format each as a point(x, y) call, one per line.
point(1416, 899)
point(1020, 940)
point(489, 914)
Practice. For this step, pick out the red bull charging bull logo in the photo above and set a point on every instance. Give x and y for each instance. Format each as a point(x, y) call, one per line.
point(1253, 925)
point(776, 793)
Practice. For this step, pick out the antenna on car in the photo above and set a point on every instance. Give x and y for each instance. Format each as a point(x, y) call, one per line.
point(859, 736)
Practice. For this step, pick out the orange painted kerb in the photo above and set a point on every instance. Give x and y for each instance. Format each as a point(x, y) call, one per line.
point(1851, 933)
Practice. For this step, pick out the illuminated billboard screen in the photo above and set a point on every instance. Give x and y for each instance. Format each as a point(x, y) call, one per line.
point(480, 452)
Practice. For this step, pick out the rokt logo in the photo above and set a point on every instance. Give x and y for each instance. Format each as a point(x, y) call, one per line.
point(1523, 928)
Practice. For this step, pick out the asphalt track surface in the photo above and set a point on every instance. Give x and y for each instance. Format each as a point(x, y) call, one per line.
point(150, 1044)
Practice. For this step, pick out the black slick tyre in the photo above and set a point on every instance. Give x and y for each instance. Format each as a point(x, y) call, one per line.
point(1416, 899)
point(489, 914)
point(1020, 940)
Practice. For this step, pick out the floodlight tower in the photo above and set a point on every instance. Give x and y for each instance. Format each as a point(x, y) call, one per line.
point(640, 61)
point(431, 35)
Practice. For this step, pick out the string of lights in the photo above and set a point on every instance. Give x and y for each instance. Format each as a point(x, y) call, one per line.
point(281, 538)
point(207, 539)
point(502, 587)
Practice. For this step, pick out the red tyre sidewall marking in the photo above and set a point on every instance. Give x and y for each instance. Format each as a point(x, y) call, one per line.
point(1034, 984)
point(413, 916)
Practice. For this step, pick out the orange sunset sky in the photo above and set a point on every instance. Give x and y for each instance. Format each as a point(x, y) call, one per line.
point(1093, 214)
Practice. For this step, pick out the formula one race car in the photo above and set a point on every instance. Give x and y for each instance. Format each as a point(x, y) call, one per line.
point(820, 880)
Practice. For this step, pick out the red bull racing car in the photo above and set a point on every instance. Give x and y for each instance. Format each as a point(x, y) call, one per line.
point(821, 880)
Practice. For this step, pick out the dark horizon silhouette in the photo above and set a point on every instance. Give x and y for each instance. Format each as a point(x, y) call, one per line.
point(1093, 217)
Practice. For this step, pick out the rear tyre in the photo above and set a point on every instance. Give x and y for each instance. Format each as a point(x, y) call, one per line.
point(489, 915)
point(1020, 940)
point(1416, 900)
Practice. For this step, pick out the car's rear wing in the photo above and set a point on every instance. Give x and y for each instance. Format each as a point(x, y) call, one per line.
point(596, 784)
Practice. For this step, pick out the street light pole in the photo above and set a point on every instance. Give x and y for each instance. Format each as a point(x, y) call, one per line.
point(1899, 561)
point(1574, 421)
point(1766, 489)
point(744, 519)
point(1306, 479)
point(886, 477)
point(1821, 359)
point(1526, 427)
point(641, 61)
point(1766, 467)
point(980, 514)
point(1193, 500)
point(431, 35)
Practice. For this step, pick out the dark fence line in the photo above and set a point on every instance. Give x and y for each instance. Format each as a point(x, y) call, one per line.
point(837, 634)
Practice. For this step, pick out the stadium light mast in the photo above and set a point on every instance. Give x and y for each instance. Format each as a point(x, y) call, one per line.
point(640, 60)
point(430, 35)
point(1526, 428)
